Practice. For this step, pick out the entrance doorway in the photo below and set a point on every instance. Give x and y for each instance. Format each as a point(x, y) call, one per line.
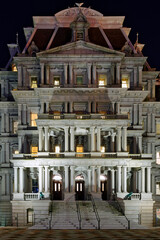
point(106, 186)
point(57, 187)
point(80, 187)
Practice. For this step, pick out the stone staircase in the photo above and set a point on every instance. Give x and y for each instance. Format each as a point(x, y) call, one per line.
point(5, 214)
point(65, 216)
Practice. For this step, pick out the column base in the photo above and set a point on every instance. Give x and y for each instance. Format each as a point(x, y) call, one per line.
point(18, 196)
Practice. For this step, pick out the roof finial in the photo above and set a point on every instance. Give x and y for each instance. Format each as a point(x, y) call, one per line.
point(137, 37)
point(79, 4)
point(17, 38)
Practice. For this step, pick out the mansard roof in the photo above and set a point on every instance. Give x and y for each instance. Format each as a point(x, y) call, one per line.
point(53, 31)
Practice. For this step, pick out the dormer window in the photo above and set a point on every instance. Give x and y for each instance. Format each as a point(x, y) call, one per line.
point(33, 82)
point(56, 81)
point(79, 35)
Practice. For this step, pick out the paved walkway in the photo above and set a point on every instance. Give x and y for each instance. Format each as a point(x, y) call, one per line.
point(21, 233)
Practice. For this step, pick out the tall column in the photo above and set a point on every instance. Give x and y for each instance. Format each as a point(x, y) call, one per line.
point(29, 116)
point(140, 144)
point(117, 107)
point(93, 179)
point(24, 114)
point(98, 139)
point(40, 139)
point(124, 179)
point(72, 146)
point(124, 139)
point(140, 75)
point(140, 114)
point(70, 107)
point(89, 73)
point(139, 181)
point(148, 179)
point(113, 107)
point(89, 180)
point(149, 122)
point(7, 122)
point(98, 178)
point(118, 73)
point(46, 178)
point(113, 180)
point(15, 179)
point(20, 113)
point(118, 139)
point(94, 74)
point(20, 144)
point(42, 73)
point(66, 138)
point(40, 178)
point(119, 178)
point(2, 123)
point(46, 139)
point(48, 75)
point(47, 107)
point(153, 89)
point(70, 74)
point(143, 179)
point(21, 180)
point(135, 76)
point(135, 115)
point(66, 179)
point(89, 107)
point(66, 107)
point(112, 143)
point(92, 139)
point(72, 180)
point(153, 123)
point(7, 153)
point(66, 73)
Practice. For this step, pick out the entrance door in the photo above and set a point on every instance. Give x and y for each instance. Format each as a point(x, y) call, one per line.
point(104, 189)
point(79, 188)
point(57, 190)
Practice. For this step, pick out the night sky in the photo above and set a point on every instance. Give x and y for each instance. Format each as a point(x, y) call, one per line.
point(141, 16)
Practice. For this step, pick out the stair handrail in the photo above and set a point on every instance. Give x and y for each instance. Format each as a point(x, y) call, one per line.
point(79, 214)
point(95, 210)
point(120, 209)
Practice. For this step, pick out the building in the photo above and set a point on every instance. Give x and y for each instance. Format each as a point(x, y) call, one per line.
point(80, 113)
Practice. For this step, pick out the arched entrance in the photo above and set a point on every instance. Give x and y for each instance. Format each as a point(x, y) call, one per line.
point(80, 187)
point(57, 187)
point(106, 186)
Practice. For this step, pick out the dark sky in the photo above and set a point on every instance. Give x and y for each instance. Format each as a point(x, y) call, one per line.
point(141, 16)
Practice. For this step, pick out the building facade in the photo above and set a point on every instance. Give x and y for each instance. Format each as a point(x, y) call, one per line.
point(80, 114)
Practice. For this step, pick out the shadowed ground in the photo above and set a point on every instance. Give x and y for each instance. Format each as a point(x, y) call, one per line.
point(22, 233)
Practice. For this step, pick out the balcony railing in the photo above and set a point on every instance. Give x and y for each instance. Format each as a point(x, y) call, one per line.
point(31, 196)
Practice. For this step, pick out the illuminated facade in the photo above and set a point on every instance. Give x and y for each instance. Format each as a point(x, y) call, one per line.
point(81, 114)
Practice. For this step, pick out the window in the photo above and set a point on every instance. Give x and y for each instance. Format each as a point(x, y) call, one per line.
point(33, 82)
point(125, 81)
point(158, 157)
point(158, 128)
point(29, 215)
point(79, 149)
point(79, 80)
point(14, 68)
point(15, 127)
point(158, 188)
point(102, 149)
point(57, 149)
point(34, 149)
point(102, 80)
point(34, 116)
point(35, 185)
point(79, 35)
point(56, 81)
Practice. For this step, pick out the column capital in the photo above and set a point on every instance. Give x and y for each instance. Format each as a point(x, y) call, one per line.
point(46, 127)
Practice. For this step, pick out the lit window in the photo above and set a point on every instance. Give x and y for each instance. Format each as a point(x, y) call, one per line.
point(56, 81)
point(79, 80)
point(79, 149)
point(29, 215)
point(158, 188)
point(102, 80)
point(158, 157)
point(33, 82)
point(34, 116)
point(16, 152)
point(14, 68)
point(158, 128)
point(15, 127)
point(34, 149)
point(102, 149)
point(125, 81)
point(57, 149)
